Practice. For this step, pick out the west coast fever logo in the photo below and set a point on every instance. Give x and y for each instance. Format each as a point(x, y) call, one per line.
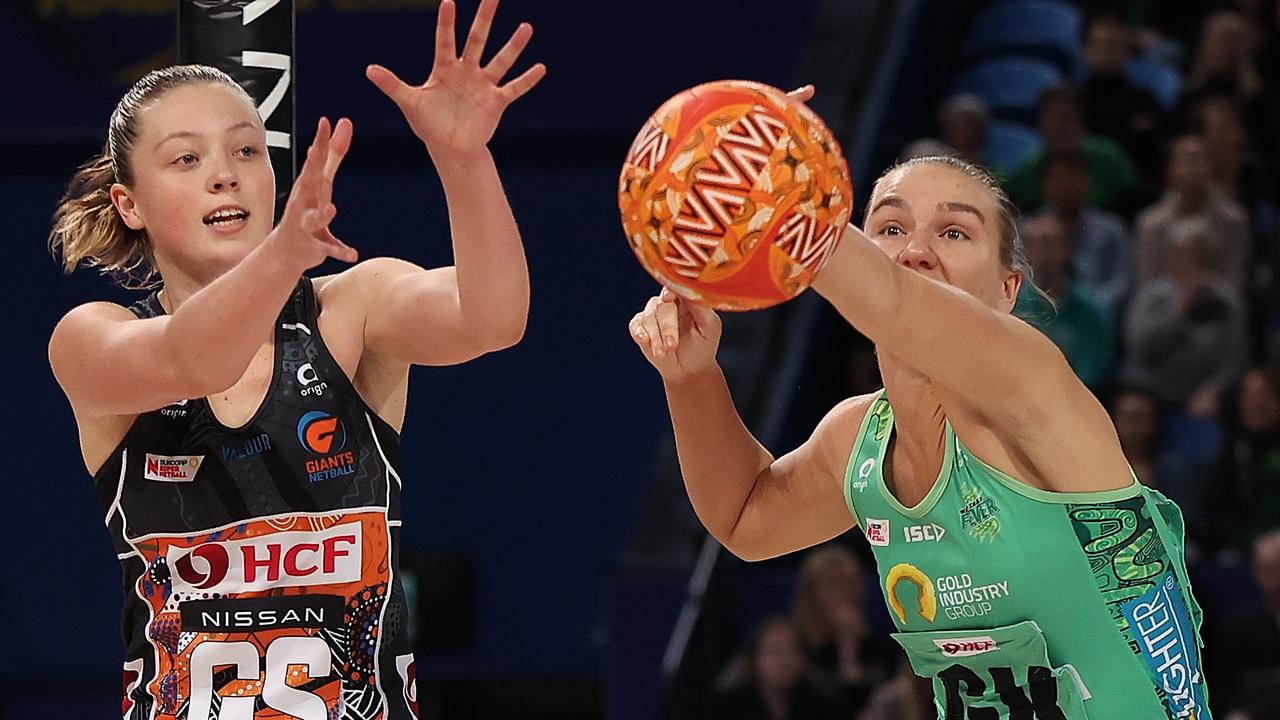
point(324, 434)
point(956, 594)
point(979, 515)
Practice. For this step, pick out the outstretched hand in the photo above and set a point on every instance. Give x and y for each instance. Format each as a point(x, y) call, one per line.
point(304, 227)
point(458, 108)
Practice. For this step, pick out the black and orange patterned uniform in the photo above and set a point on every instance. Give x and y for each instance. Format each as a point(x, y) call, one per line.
point(261, 575)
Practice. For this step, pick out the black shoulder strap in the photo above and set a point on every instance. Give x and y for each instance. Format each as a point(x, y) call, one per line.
point(148, 307)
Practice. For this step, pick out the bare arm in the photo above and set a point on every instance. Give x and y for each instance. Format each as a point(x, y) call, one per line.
point(110, 363)
point(417, 317)
point(756, 506)
point(481, 303)
point(997, 370)
point(988, 359)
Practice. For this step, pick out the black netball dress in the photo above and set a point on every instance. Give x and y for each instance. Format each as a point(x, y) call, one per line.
point(260, 563)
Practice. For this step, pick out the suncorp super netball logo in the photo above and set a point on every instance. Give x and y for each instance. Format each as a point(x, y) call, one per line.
point(269, 561)
point(324, 434)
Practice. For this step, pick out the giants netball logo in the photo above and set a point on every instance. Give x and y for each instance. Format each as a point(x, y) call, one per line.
point(324, 435)
point(321, 433)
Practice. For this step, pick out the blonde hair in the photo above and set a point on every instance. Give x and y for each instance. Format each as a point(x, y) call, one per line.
point(87, 228)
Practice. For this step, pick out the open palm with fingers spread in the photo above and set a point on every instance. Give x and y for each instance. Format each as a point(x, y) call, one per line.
point(458, 108)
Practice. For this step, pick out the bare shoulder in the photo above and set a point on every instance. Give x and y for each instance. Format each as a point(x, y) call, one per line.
point(365, 274)
point(849, 413)
point(95, 312)
point(80, 325)
point(837, 433)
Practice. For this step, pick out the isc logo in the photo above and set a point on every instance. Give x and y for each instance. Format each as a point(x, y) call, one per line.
point(269, 561)
point(921, 533)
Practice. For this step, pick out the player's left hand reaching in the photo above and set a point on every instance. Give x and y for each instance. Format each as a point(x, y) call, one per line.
point(456, 111)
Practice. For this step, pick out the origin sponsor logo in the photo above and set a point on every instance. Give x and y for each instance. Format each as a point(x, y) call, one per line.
point(172, 468)
point(878, 532)
point(252, 446)
point(310, 381)
point(175, 410)
point(966, 647)
point(287, 559)
point(254, 614)
point(1159, 621)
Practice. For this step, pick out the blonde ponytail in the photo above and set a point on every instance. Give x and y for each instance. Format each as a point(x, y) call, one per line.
point(87, 229)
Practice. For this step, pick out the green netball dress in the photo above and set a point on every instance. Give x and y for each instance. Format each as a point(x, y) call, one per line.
point(1027, 604)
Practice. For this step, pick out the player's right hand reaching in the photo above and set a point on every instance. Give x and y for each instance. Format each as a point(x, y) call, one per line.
point(679, 337)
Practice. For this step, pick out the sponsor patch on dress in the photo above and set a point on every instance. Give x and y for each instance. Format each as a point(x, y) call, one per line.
point(172, 468)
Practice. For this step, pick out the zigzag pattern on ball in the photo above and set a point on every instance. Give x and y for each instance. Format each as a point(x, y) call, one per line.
point(650, 147)
point(798, 237)
point(719, 191)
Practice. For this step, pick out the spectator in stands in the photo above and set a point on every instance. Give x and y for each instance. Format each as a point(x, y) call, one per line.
point(1135, 410)
point(1186, 331)
point(1101, 253)
point(1247, 490)
point(963, 121)
point(905, 696)
point(1225, 65)
point(830, 616)
point(1191, 195)
point(962, 124)
point(1079, 326)
point(1113, 180)
point(1248, 646)
point(772, 680)
point(1236, 168)
point(1113, 106)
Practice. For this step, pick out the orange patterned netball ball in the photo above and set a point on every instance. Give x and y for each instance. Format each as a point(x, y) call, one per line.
point(734, 195)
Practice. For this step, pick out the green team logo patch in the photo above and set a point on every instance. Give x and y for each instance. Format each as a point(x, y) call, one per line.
point(881, 415)
point(979, 514)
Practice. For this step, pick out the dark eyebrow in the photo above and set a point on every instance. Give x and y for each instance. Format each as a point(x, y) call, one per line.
point(962, 207)
point(189, 134)
point(891, 200)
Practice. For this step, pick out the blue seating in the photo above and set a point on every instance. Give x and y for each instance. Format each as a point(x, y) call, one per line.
point(1011, 86)
point(1044, 28)
point(1151, 74)
point(1010, 145)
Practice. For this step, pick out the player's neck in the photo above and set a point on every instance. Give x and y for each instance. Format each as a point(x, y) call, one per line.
point(918, 417)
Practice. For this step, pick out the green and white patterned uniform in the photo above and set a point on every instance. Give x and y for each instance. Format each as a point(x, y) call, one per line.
point(1027, 604)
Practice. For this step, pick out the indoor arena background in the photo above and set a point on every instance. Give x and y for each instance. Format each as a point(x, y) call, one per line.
point(559, 572)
